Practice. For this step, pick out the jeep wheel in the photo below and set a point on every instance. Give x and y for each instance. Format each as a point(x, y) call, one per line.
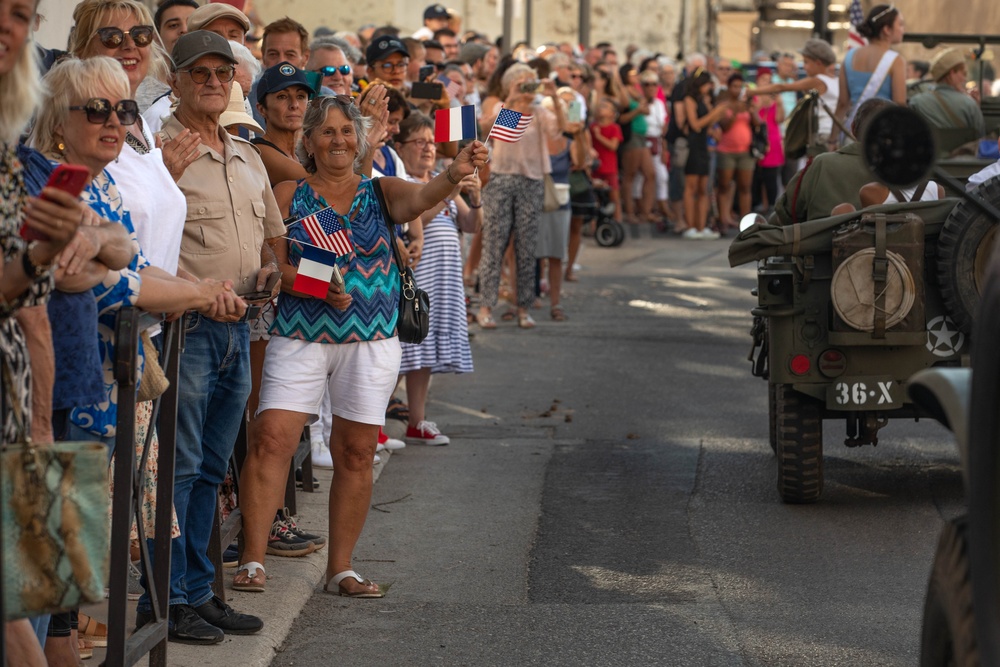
point(799, 445)
point(772, 417)
point(948, 638)
point(964, 247)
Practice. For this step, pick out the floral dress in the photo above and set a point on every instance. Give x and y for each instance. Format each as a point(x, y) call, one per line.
point(12, 343)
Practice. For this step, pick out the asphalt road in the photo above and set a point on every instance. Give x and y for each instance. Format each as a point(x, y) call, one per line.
point(609, 499)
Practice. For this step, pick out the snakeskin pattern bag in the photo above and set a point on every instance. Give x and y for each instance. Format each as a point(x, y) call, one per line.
point(56, 533)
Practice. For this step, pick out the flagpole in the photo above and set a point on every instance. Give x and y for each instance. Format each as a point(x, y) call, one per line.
point(332, 252)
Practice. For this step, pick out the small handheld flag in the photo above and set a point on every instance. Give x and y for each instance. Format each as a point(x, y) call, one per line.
point(510, 125)
point(857, 19)
point(455, 124)
point(325, 231)
point(315, 271)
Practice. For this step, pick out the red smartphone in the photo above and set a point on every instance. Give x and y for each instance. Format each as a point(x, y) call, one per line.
point(70, 178)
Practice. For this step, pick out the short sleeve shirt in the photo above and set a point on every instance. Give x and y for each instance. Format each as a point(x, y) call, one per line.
point(230, 211)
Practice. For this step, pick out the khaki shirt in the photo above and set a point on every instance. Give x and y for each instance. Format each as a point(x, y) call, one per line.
point(831, 179)
point(230, 211)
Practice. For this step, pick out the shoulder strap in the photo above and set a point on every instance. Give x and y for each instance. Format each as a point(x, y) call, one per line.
point(943, 103)
point(377, 188)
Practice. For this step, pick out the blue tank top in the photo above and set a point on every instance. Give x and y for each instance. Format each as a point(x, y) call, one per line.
point(856, 81)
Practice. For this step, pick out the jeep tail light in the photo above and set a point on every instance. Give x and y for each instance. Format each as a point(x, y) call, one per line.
point(832, 363)
point(800, 364)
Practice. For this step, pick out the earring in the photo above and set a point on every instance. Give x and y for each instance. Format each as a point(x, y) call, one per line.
point(61, 147)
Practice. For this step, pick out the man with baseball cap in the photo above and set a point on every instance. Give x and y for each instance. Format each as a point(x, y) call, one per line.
point(947, 106)
point(387, 60)
point(231, 219)
point(222, 19)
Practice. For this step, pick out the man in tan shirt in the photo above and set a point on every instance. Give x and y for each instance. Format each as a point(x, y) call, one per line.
point(231, 215)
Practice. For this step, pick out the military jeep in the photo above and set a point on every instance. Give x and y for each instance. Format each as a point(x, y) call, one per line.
point(850, 307)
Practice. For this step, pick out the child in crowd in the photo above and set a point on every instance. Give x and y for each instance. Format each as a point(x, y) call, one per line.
point(607, 134)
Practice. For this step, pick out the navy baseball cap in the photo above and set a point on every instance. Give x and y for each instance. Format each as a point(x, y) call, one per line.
point(281, 76)
point(436, 12)
point(383, 47)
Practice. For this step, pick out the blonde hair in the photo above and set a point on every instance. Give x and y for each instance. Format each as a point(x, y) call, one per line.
point(20, 92)
point(90, 15)
point(74, 80)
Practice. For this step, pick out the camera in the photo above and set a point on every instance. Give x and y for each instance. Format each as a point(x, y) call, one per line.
point(530, 87)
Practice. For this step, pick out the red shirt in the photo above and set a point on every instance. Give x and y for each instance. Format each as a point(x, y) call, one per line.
point(607, 157)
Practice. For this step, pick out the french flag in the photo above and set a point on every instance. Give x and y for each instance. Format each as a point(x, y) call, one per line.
point(455, 124)
point(315, 271)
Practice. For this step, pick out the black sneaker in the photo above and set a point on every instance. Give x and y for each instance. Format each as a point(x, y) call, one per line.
point(231, 556)
point(225, 618)
point(185, 626)
point(289, 522)
point(283, 542)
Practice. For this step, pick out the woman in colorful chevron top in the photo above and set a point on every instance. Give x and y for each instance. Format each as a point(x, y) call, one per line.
point(345, 339)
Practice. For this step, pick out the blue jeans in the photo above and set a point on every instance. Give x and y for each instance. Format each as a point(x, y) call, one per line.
point(213, 385)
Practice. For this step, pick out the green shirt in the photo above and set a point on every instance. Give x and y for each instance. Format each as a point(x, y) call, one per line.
point(831, 179)
point(936, 104)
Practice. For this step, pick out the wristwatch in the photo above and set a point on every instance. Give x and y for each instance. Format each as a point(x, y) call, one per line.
point(31, 269)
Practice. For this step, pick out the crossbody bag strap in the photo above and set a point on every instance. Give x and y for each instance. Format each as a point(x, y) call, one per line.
point(949, 111)
point(377, 187)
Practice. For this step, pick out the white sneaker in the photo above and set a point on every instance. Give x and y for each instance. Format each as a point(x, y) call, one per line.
point(387, 443)
point(691, 233)
point(321, 457)
point(376, 460)
point(710, 234)
point(425, 433)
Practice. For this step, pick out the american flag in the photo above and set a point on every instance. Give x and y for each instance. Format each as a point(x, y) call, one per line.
point(510, 125)
point(857, 18)
point(325, 231)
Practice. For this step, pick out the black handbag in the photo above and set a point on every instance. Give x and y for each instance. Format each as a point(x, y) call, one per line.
point(759, 144)
point(414, 306)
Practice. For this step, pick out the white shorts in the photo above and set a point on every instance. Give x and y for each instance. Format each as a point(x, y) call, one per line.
point(361, 377)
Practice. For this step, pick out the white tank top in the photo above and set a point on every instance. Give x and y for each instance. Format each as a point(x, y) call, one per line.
point(830, 97)
point(930, 193)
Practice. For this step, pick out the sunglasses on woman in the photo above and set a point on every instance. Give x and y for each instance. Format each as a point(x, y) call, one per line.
point(112, 38)
point(330, 70)
point(99, 110)
point(201, 74)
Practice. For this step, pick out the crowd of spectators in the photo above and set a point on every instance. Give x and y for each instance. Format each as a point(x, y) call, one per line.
point(209, 139)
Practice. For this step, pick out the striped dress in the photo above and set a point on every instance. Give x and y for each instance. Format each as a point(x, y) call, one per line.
point(439, 273)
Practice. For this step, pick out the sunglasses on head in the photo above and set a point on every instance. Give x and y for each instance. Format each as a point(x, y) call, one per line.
point(343, 100)
point(112, 38)
point(99, 110)
point(201, 74)
point(330, 70)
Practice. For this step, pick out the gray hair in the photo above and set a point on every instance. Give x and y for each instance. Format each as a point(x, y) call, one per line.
point(331, 42)
point(694, 61)
point(245, 59)
point(558, 59)
point(316, 115)
point(514, 72)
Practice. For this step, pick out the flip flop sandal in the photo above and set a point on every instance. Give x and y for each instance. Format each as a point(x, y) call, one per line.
point(256, 578)
point(92, 631)
point(368, 593)
point(557, 314)
point(509, 315)
point(485, 321)
point(84, 649)
point(398, 410)
point(526, 322)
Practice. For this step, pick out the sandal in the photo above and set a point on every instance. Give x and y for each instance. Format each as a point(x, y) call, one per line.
point(256, 578)
point(84, 648)
point(485, 321)
point(371, 589)
point(508, 315)
point(557, 314)
point(398, 410)
point(93, 631)
point(525, 321)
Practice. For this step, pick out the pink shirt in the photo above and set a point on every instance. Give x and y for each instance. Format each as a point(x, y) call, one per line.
point(737, 138)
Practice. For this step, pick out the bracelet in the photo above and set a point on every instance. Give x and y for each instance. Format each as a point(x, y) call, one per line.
point(479, 205)
point(450, 179)
point(31, 269)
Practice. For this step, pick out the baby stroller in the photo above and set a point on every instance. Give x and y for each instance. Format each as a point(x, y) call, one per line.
point(608, 232)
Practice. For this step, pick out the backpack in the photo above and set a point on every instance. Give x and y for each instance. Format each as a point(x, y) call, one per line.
point(802, 127)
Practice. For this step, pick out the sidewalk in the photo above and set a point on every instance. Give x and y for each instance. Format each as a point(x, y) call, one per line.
point(298, 579)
